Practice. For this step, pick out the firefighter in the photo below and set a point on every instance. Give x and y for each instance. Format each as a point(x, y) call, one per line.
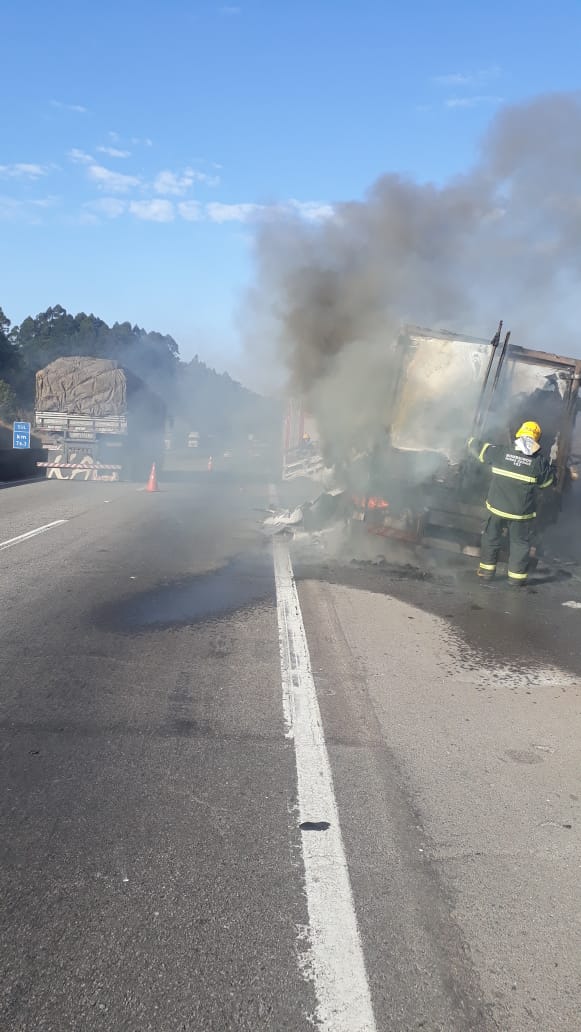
point(516, 474)
point(306, 444)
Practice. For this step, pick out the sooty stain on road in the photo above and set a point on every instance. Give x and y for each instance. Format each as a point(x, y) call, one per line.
point(243, 582)
point(492, 624)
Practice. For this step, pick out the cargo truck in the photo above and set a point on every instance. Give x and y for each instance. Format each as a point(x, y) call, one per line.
point(97, 421)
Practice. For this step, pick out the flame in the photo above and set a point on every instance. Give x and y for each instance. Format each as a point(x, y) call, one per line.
point(370, 503)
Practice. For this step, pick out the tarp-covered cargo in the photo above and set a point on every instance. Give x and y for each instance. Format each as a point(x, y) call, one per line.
point(82, 387)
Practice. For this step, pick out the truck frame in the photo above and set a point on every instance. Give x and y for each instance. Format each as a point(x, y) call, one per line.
point(444, 387)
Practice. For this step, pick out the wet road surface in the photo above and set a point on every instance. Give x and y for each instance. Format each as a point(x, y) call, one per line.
point(153, 872)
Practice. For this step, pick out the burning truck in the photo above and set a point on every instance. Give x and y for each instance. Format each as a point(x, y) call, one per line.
point(411, 480)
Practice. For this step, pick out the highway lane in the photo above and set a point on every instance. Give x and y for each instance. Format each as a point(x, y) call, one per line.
point(456, 765)
point(148, 879)
point(24, 507)
point(153, 873)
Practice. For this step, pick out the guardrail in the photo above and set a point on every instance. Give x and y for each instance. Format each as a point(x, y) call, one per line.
point(20, 465)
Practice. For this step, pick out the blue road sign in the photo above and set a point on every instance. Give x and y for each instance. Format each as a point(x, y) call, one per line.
point(21, 435)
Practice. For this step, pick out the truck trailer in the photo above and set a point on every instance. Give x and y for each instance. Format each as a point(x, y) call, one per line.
point(97, 420)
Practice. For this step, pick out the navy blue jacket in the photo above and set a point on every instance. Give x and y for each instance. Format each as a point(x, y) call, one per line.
point(515, 478)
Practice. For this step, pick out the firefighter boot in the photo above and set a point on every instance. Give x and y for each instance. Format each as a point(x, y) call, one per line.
point(485, 575)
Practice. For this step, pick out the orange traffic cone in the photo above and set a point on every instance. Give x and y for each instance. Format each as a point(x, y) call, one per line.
point(152, 482)
point(210, 464)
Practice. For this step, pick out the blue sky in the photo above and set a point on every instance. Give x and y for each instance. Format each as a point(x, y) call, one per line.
point(140, 140)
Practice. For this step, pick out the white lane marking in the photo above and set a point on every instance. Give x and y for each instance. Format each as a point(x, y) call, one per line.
point(30, 534)
point(336, 954)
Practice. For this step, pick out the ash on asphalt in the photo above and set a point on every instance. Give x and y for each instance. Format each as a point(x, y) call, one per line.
point(380, 575)
point(493, 622)
point(242, 583)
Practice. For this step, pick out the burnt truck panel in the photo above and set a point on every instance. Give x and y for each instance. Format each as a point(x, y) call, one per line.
point(301, 446)
point(415, 482)
point(542, 386)
point(449, 387)
point(440, 381)
point(98, 421)
point(441, 386)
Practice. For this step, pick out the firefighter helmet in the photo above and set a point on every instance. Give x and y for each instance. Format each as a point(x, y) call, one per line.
point(529, 429)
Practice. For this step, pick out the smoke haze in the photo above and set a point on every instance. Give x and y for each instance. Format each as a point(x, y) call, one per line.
point(501, 241)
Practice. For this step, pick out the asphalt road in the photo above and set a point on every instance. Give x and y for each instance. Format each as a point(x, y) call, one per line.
point(155, 771)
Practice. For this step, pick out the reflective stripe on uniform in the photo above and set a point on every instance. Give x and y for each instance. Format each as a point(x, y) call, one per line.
point(483, 451)
point(510, 515)
point(548, 482)
point(517, 576)
point(486, 566)
point(514, 476)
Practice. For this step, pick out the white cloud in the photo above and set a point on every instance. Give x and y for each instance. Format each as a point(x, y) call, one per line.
point(45, 202)
point(115, 182)
point(470, 102)
point(312, 211)
point(77, 108)
point(207, 180)
point(139, 141)
point(12, 210)
point(23, 170)
point(80, 157)
point(114, 152)
point(167, 182)
point(176, 184)
point(109, 207)
point(159, 209)
point(191, 211)
point(218, 212)
point(475, 78)
point(156, 210)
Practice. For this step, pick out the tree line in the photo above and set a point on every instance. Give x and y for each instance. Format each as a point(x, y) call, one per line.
point(197, 397)
point(55, 333)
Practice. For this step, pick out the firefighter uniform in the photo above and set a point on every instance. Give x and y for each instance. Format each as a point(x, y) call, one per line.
point(516, 475)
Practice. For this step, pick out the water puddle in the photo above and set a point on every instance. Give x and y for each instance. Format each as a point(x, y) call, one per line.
point(243, 582)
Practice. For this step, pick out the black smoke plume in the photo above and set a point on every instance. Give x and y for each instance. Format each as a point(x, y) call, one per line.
point(501, 240)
